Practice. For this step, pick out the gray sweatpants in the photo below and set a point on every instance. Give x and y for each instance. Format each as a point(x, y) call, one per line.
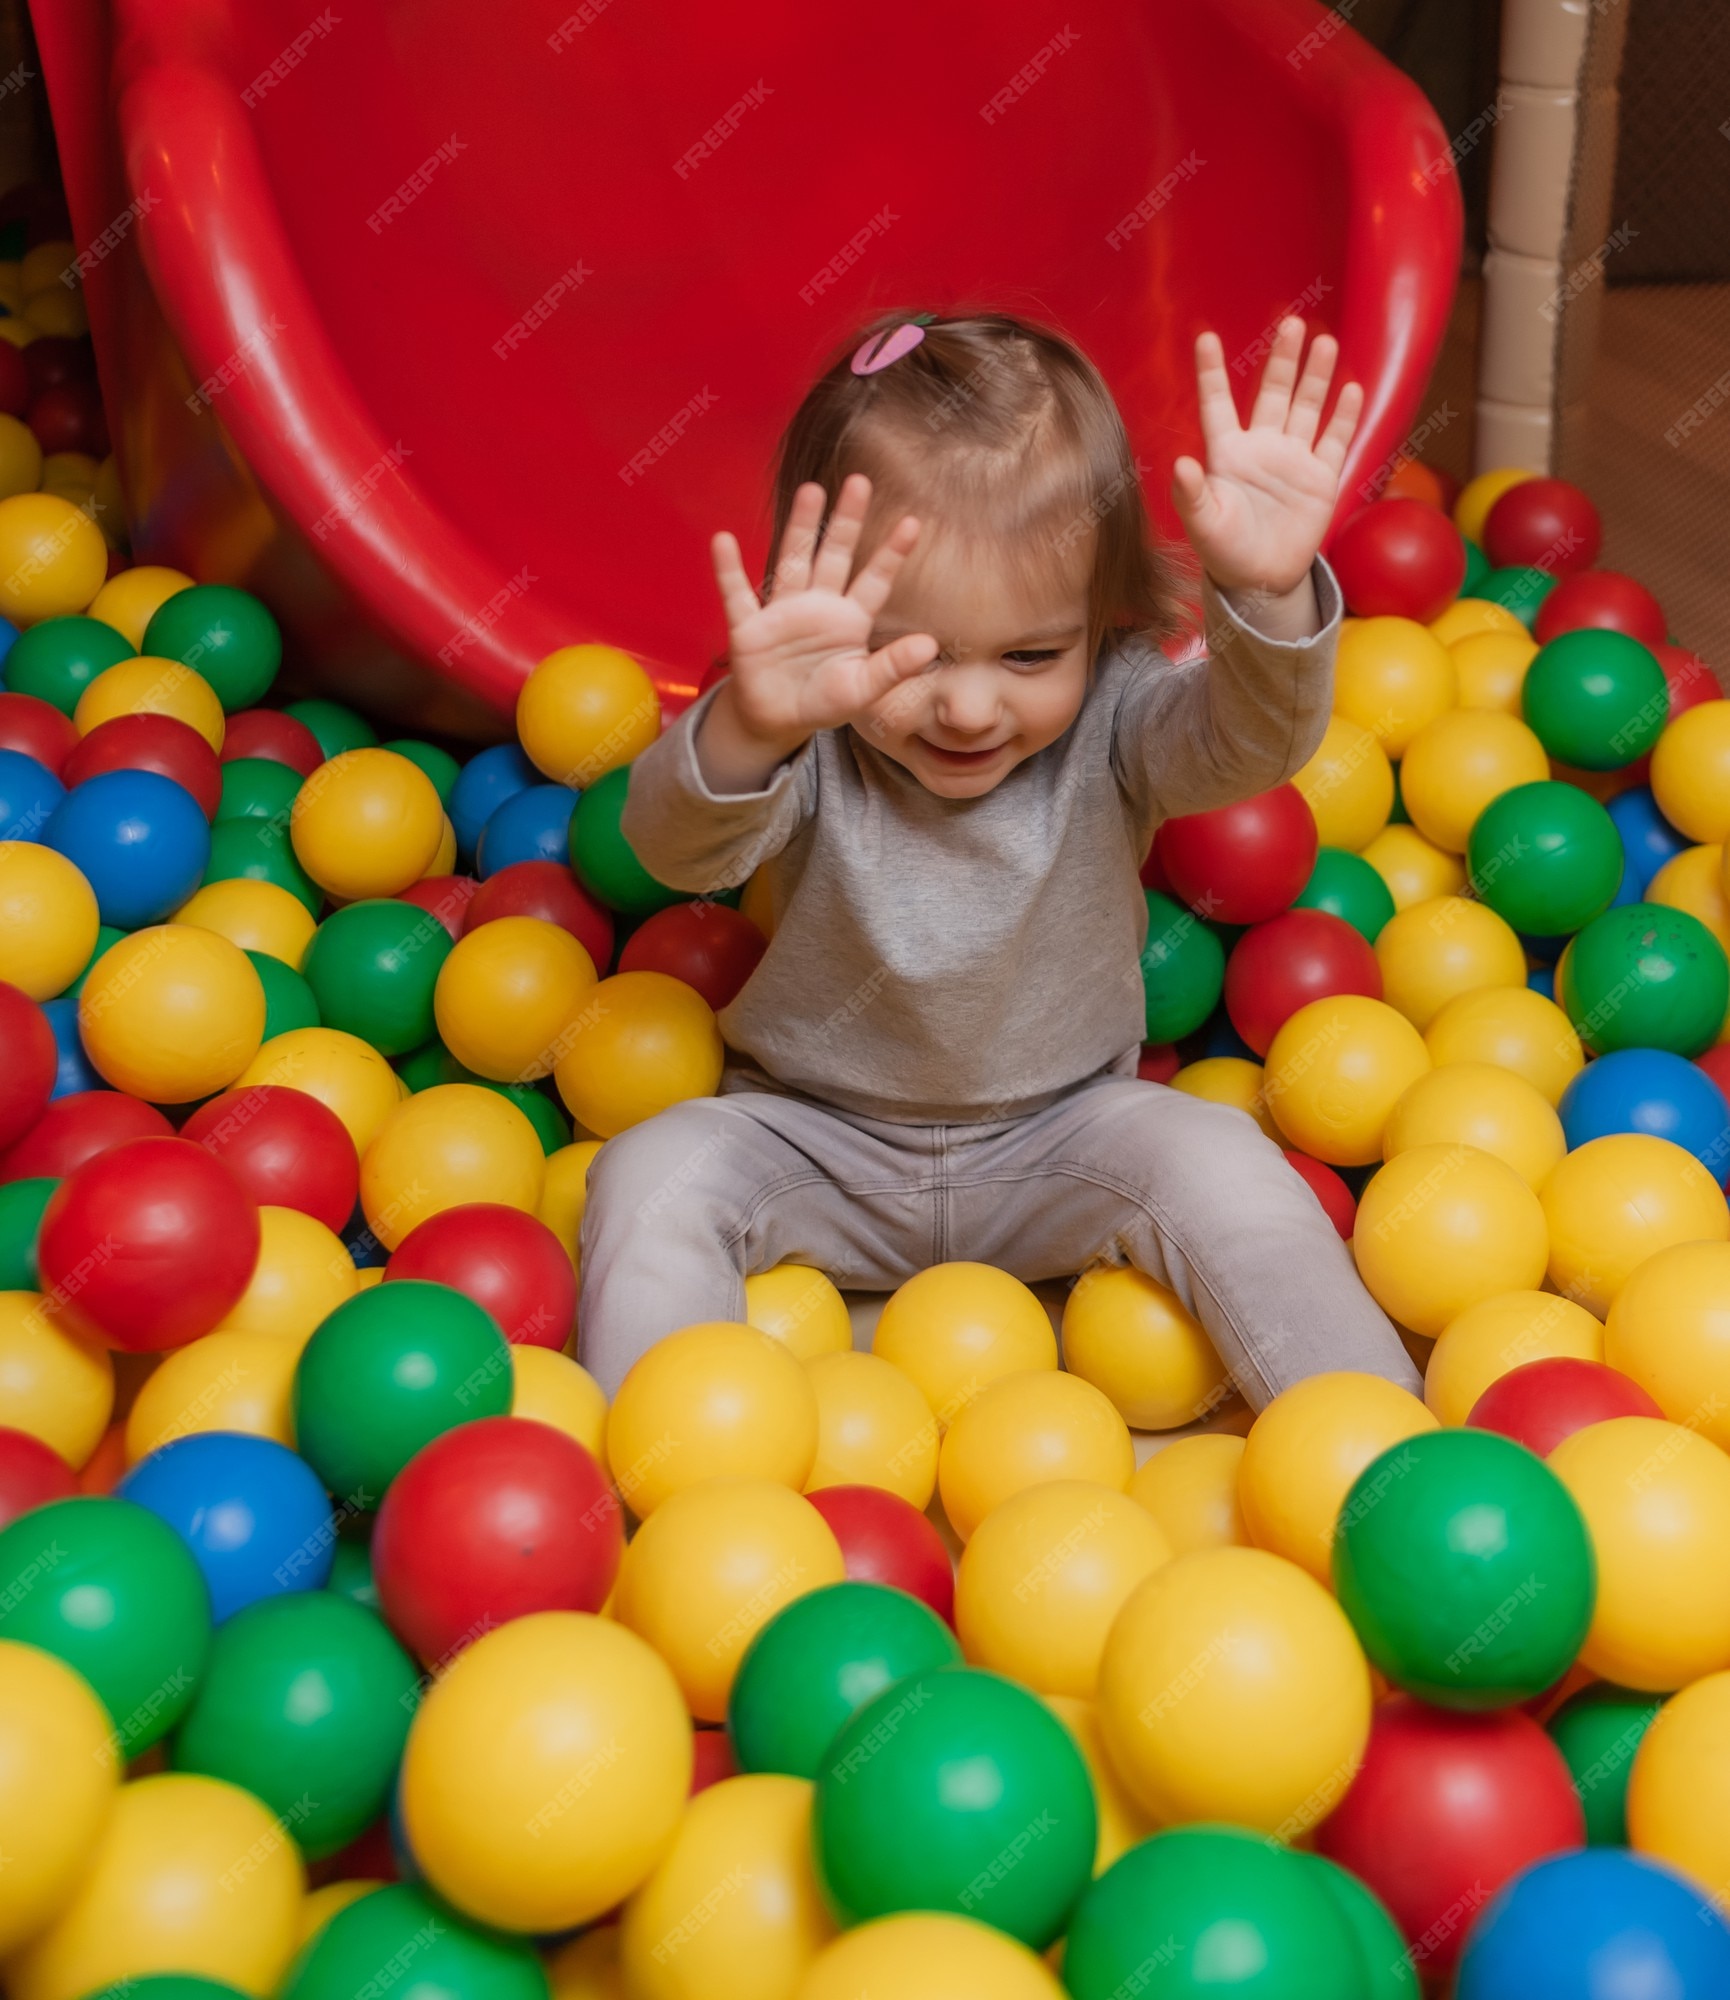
point(681, 1208)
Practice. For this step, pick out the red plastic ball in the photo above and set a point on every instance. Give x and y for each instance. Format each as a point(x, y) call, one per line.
point(1281, 965)
point(31, 1474)
point(707, 945)
point(77, 1128)
point(1546, 524)
point(1691, 680)
point(14, 379)
point(69, 417)
point(1604, 599)
point(492, 1521)
point(1153, 873)
point(1159, 1062)
point(52, 359)
point(507, 1261)
point(267, 732)
point(1243, 863)
point(1399, 558)
point(148, 1245)
point(37, 728)
point(286, 1149)
point(369, 1857)
point(1329, 1188)
point(1715, 1061)
point(711, 1759)
point(885, 1539)
point(150, 743)
point(1444, 1809)
point(548, 890)
point(1412, 479)
point(446, 897)
point(1541, 1402)
point(28, 1060)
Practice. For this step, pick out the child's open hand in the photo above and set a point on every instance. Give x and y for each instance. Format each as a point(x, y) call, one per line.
point(1257, 514)
point(800, 659)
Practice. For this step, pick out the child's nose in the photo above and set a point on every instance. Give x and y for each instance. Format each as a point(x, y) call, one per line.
point(966, 698)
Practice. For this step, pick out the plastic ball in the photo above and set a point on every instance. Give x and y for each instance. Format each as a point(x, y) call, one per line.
point(639, 1042)
point(584, 711)
point(1023, 1431)
point(31, 1475)
point(1484, 1107)
point(1541, 1402)
point(396, 1924)
point(1182, 970)
point(286, 1148)
point(52, 558)
point(1512, 1028)
point(531, 825)
point(1521, 588)
point(157, 743)
point(1548, 524)
point(36, 729)
point(549, 891)
point(1490, 668)
point(368, 824)
point(1691, 772)
point(1190, 1487)
point(874, 1428)
point(1616, 1201)
point(1655, 1092)
point(925, 1955)
point(337, 727)
point(1240, 863)
point(302, 1275)
point(1346, 886)
point(1434, 951)
point(1335, 1071)
point(269, 734)
point(1135, 1341)
point(444, 1147)
point(885, 1539)
point(137, 838)
point(342, 1072)
point(1694, 881)
point(484, 783)
point(1677, 1787)
point(604, 861)
point(1305, 1452)
point(1458, 764)
point(146, 686)
point(172, 1014)
point(565, 1192)
point(1268, 1734)
point(1348, 784)
point(1281, 965)
point(1596, 698)
point(288, 1002)
point(1231, 1080)
point(255, 916)
point(801, 1308)
point(1392, 678)
point(1545, 857)
point(503, 1259)
point(129, 600)
point(513, 996)
point(1601, 599)
point(1645, 976)
point(225, 1381)
point(1669, 1331)
point(372, 968)
point(446, 897)
point(1598, 1729)
point(58, 659)
point(28, 1076)
point(1471, 616)
point(709, 946)
point(227, 634)
point(29, 793)
point(48, 918)
point(1475, 499)
point(253, 850)
point(75, 1129)
point(1399, 558)
point(553, 1389)
point(1412, 868)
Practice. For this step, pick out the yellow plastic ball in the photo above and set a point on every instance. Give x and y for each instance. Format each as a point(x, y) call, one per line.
point(565, 1192)
point(1679, 1787)
point(641, 1041)
point(1136, 1341)
point(20, 458)
point(1479, 495)
point(546, 1771)
point(1335, 1071)
point(1349, 785)
point(1469, 617)
point(588, 1967)
point(1690, 767)
point(1669, 1330)
point(1480, 1105)
point(256, 916)
point(1043, 1578)
point(709, 1402)
point(303, 1273)
point(1305, 1451)
point(757, 902)
point(1122, 1823)
point(58, 1781)
point(130, 600)
point(553, 1389)
point(48, 919)
point(444, 861)
point(800, 1308)
point(1694, 881)
point(344, 1073)
point(1512, 1028)
point(1491, 669)
point(52, 558)
point(1656, 1498)
point(1022, 1432)
point(46, 264)
point(323, 1903)
point(366, 823)
point(172, 1013)
point(1456, 765)
point(1233, 1688)
point(53, 1385)
point(874, 1428)
point(16, 330)
point(507, 994)
point(924, 1956)
point(11, 284)
point(1232, 1080)
point(1616, 1201)
point(1190, 1488)
point(1391, 678)
point(1415, 869)
point(584, 711)
point(707, 1571)
point(454, 1143)
point(1444, 1227)
point(69, 468)
point(149, 686)
point(954, 1328)
point(1437, 950)
point(733, 1911)
point(1496, 1336)
point(189, 1875)
point(54, 310)
point(221, 1382)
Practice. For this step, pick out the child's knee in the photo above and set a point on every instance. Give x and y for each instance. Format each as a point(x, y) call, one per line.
point(660, 1167)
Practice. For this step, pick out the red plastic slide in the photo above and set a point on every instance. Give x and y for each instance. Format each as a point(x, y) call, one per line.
point(456, 330)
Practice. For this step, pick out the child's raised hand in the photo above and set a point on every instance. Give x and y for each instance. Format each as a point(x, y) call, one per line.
point(800, 659)
point(1257, 513)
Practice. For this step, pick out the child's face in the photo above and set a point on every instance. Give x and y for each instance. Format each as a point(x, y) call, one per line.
point(1009, 679)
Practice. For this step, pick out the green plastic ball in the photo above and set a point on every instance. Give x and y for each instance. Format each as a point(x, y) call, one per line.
point(21, 1206)
point(336, 727)
point(402, 1927)
point(372, 967)
point(168, 1986)
point(1390, 1972)
point(604, 861)
point(306, 1703)
point(224, 634)
point(1597, 1731)
point(1465, 1568)
point(1517, 589)
point(434, 1063)
point(439, 765)
point(257, 788)
point(1595, 699)
point(1645, 976)
point(1477, 568)
point(111, 1589)
point(106, 935)
point(58, 659)
point(815, 1664)
point(387, 1372)
point(1397, 814)
point(288, 1001)
point(1546, 857)
point(1345, 885)
point(351, 1574)
point(956, 1790)
point(1182, 969)
point(259, 850)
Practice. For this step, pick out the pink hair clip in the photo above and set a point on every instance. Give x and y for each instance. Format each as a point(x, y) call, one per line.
point(877, 350)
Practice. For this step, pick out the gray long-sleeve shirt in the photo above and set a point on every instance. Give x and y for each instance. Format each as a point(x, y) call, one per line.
point(949, 960)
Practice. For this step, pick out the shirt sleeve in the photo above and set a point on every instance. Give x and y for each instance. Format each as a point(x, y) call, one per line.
point(1238, 721)
point(693, 838)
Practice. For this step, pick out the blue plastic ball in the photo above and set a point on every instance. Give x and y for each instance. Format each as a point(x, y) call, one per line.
point(75, 1070)
point(29, 792)
point(139, 839)
point(1653, 1091)
point(531, 825)
point(255, 1516)
point(482, 786)
point(8, 639)
point(1597, 1923)
point(1224, 1040)
point(1542, 979)
point(1648, 840)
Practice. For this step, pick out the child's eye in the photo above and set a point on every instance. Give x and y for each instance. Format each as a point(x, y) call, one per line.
point(1032, 658)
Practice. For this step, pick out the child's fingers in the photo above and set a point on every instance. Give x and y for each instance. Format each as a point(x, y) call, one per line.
point(1273, 398)
point(793, 564)
point(1312, 388)
point(1341, 427)
point(870, 588)
point(841, 538)
point(1213, 392)
point(1189, 491)
point(737, 597)
point(899, 661)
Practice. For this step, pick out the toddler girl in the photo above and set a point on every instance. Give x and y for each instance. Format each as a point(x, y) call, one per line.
point(947, 737)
